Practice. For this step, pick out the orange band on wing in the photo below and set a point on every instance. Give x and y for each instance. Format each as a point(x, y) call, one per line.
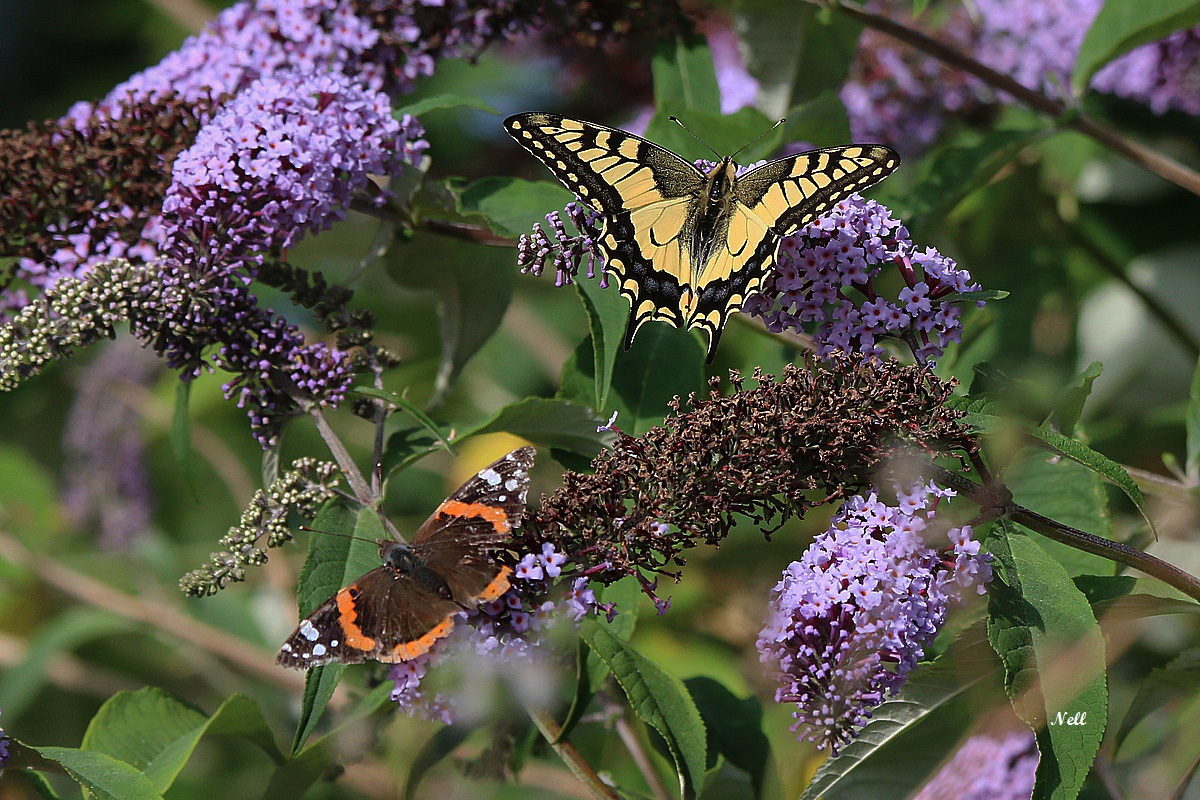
point(406, 651)
point(499, 585)
point(496, 516)
point(347, 614)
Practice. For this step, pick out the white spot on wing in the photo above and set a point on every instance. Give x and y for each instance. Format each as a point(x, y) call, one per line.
point(318, 650)
point(308, 631)
point(511, 484)
point(491, 476)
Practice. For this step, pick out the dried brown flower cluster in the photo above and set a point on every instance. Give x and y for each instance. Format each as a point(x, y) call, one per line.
point(767, 453)
point(104, 180)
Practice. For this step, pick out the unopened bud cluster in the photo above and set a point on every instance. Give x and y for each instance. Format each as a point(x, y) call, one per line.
point(303, 490)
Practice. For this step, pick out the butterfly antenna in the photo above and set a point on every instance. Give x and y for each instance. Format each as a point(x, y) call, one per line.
point(756, 138)
point(677, 121)
point(336, 533)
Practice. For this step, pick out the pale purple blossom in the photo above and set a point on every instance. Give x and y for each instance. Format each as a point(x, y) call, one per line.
point(853, 616)
point(987, 766)
point(825, 281)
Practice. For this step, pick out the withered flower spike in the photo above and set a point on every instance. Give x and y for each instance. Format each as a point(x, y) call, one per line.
point(767, 454)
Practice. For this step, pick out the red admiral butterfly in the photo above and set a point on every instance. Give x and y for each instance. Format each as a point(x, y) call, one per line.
point(396, 612)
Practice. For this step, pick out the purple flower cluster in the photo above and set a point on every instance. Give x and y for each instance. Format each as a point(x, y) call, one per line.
point(853, 616)
point(1164, 75)
point(107, 482)
point(1034, 42)
point(568, 250)
point(283, 158)
point(507, 629)
point(987, 767)
point(824, 269)
point(255, 39)
point(1037, 43)
point(900, 97)
point(5, 753)
point(903, 98)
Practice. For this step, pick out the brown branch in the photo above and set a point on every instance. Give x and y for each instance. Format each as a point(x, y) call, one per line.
point(550, 730)
point(471, 233)
point(358, 484)
point(1057, 110)
point(641, 758)
point(92, 592)
point(997, 498)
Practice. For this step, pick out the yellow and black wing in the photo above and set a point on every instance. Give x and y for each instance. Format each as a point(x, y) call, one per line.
point(649, 198)
point(770, 201)
point(790, 192)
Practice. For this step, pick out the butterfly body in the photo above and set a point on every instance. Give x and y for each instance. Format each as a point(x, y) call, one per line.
point(398, 611)
point(686, 246)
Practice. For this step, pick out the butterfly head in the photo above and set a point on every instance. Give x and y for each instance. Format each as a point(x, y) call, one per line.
point(720, 181)
point(397, 555)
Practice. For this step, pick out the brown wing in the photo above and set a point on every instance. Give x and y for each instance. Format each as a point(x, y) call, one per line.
point(458, 538)
point(384, 615)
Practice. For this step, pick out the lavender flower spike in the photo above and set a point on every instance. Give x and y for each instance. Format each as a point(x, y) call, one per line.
point(852, 617)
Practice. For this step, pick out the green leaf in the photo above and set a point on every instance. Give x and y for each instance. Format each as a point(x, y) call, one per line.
point(514, 206)
point(607, 312)
point(724, 133)
point(585, 689)
point(1070, 405)
point(1046, 635)
point(734, 728)
point(39, 784)
point(1177, 679)
point(156, 732)
point(103, 776)
point(1104, 588)
point(660, 700)
point(1066, 492)
point(293, 778)
point(664, 362)
point(443, 742)
point(21, 683)
point(443, 101)
point(181, 437)
point(1134, 606)
point(1123, 25)
point(892, 754)
point(796, 53)
point(416, 413)
point(591, 671)
point(821, 121)
point(684, 77)
point(473, 283)
point(1100, 464)
point(406, 446)
point(986, 295)
point(953, 171)
point(547, 423)
point(319, 685)
point(333, 562)
point(1192, 423)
